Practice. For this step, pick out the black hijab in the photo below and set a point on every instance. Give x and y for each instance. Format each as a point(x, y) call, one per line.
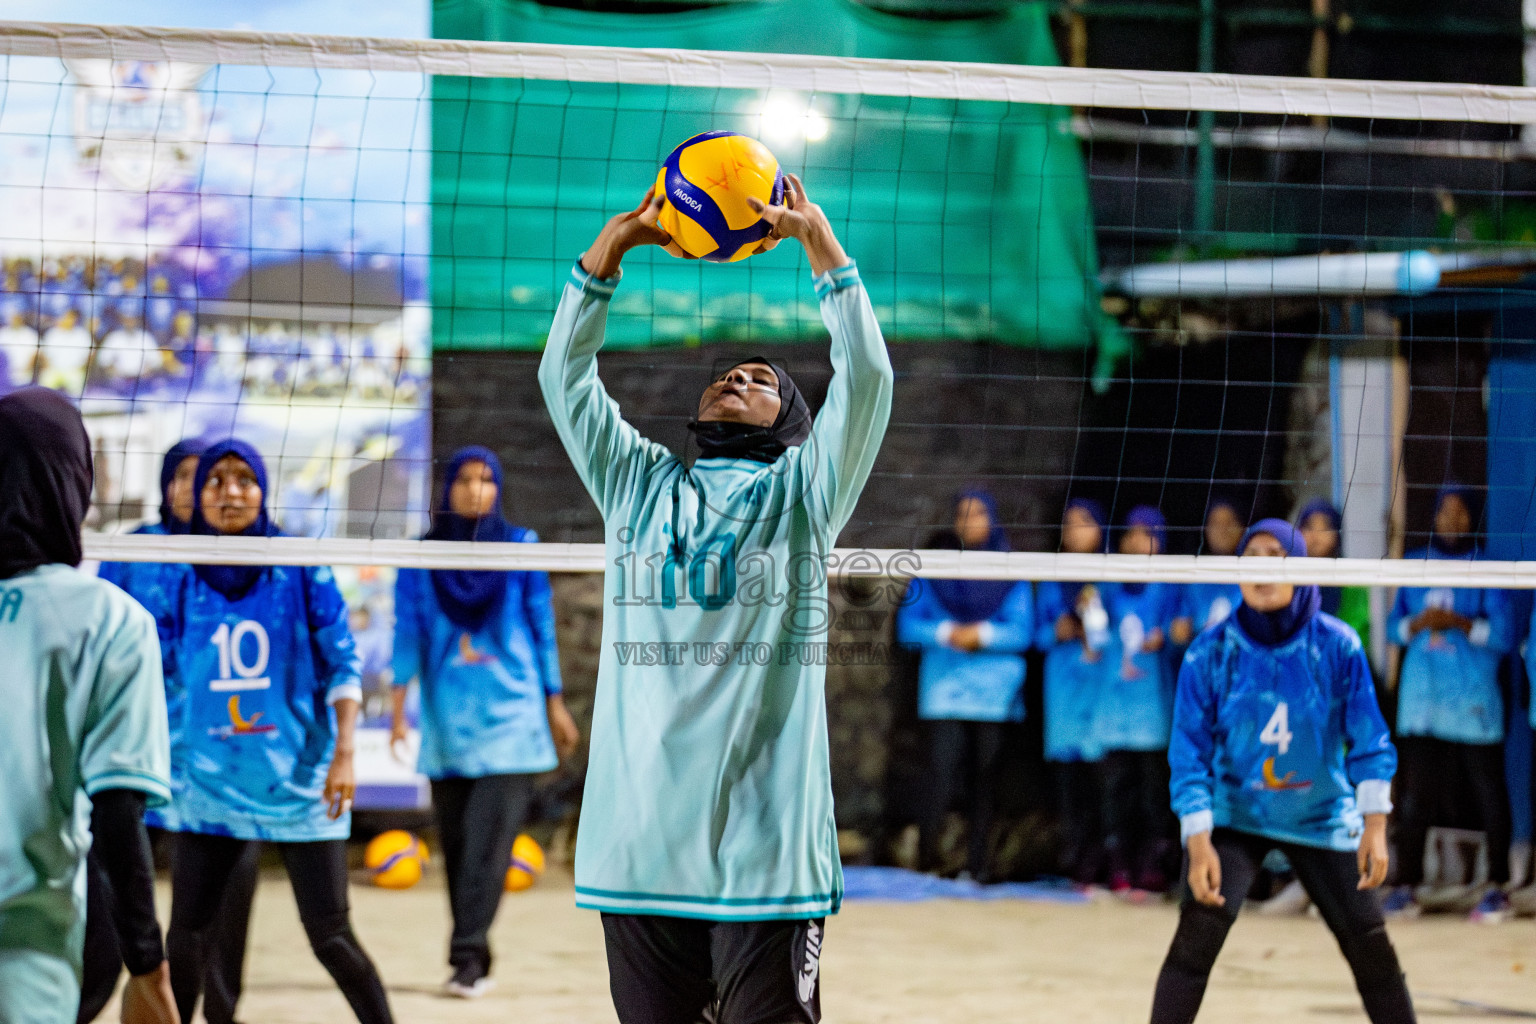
point(45, 480)
point(469, 597)
point(723, 440)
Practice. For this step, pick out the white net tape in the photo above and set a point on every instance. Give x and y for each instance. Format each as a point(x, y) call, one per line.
point(1081, 87)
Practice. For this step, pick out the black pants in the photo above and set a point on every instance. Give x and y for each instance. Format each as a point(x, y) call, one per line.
point(1431, 774)
point(477, 820)
point(225, 942)
point(1080, 853)
point(200, 876)
point(667, 970)
point(958, 751)
point(1329, 876)
point(1137, 822)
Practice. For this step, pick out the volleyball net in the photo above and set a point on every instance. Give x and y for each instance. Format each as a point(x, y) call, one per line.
point(1139, 287)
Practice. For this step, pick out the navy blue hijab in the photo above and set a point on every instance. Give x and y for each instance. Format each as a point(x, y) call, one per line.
point(1333, 597)
point(1274, 628)
point(973, 600)
point(181, 450)
point(1149, 518)
point(1463, 544)
point(1095, 510)
point(233, 581)
point(469, 597)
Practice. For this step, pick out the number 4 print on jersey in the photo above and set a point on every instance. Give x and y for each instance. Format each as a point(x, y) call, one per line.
point(1277, 733)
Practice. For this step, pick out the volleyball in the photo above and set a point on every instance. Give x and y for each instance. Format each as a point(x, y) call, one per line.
point(706, 182)
point(395, 859)
point(526, 864)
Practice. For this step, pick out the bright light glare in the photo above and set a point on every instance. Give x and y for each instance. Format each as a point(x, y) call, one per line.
point(790, 118)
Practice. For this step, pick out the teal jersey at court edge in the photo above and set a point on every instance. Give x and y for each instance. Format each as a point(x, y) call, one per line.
point(709, 791)
point(84, 712)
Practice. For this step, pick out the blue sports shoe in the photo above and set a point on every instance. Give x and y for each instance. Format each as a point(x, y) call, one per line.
point(1399, 903)
point(1493, 908)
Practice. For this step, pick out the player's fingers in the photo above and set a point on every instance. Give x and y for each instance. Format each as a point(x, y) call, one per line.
point(798, 187)
point(771, 214)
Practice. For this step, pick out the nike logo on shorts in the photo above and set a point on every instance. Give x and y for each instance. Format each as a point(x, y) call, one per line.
point(805, 982)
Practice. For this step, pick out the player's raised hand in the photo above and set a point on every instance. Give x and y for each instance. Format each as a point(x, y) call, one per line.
point(804, 221)
point(1205, 871)
point(623, 232)
point(1372, 855)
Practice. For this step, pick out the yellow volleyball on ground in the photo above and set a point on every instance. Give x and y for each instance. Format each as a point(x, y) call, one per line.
point(526, 865)
point(395, 859)
point(706, 182)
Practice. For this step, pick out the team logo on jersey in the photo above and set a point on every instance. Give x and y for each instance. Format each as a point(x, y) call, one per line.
point(239, 725)
point(1274, 782)
point(805, 982)
point(469, 656)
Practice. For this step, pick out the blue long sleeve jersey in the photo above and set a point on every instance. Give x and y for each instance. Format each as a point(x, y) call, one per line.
point(482, 692)
point(145, 582)
point(1285, 742)
point(84, 712)
point(1072, 682)
point(1136, 685)
point(980, 686)
point(256, 679)
point(709, 790)
point(1449, 685)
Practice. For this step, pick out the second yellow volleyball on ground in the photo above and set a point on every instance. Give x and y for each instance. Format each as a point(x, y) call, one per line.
point(526, 864)
point(395, 859)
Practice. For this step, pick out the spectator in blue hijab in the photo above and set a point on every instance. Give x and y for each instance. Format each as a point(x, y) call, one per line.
point(1072, 628)
point(1450, 709)
point(1203, 605)
point(1322, 526)
point(481, 644)
point(1132, 722)
point(972, 634)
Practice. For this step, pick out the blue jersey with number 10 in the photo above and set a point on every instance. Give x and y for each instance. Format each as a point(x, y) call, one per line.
point(1285, 742)
point(257, 677)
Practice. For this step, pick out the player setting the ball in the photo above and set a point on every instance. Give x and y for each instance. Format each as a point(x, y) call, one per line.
point(707, 836)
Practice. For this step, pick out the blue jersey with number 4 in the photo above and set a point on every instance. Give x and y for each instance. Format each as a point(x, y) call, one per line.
point(257, 677)
point(1285, 742)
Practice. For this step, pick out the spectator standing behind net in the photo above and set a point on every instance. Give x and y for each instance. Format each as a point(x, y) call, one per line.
point(482, 645)
point(1450, 710)
point(270, 677)
point(973, 634)
point(1203, 605)
point(707, 833)
point(1132, 719)
point(83, 738)
point(1278, 743)
point(145, 582)
point(1322, 527)
point(1073, 630)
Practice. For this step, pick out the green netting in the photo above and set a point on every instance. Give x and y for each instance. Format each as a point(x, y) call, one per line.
point(969, 220)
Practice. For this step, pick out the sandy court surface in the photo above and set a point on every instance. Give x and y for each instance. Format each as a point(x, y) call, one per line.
point(942, 962)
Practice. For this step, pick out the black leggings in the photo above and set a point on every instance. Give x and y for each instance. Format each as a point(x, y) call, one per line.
point(1433, 772)
point(317, 871)
point(477, 820)
point(1138, 825)
point(1080, 851)
point(225, 942)
point(958, 750)
point(1329, 876)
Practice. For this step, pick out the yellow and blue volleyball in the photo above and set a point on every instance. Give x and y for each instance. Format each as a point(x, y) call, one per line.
point(525, 865)
point(395, 859)
point(706, 182)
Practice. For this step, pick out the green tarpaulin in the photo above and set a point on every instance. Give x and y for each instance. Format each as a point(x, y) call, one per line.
point(969, 220)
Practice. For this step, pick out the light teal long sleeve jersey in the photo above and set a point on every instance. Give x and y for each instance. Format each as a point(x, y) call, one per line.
point(709, 792)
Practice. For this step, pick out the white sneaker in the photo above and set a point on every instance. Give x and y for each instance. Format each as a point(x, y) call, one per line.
point(462, 988)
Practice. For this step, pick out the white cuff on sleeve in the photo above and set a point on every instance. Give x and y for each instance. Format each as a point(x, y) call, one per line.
point(1195, 822)
point(1404, 632)
point(945, 630)
point(985, 632)
point(1481, 630)
point(1374, 796)
point(346, 691)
